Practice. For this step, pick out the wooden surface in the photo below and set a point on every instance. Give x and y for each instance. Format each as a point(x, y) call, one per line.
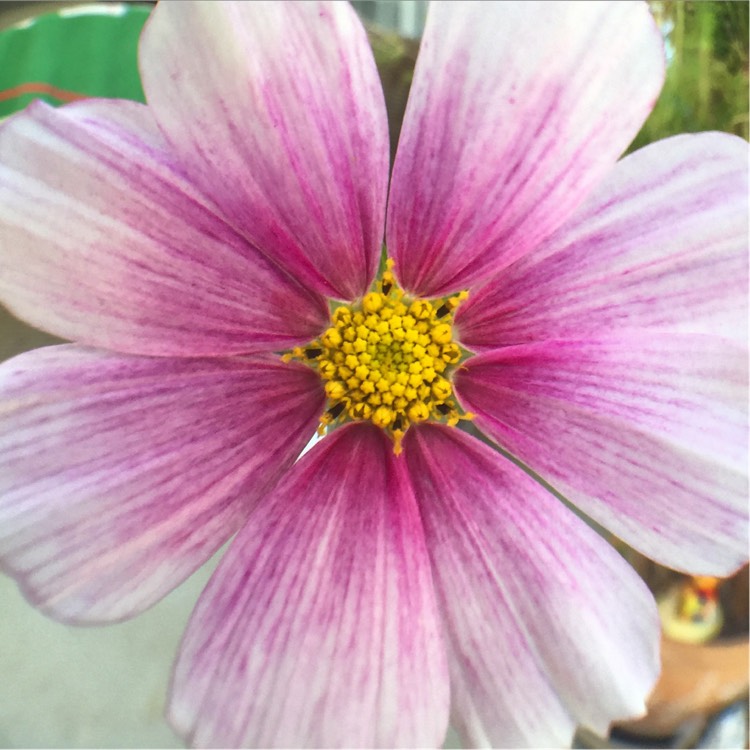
point(696, 681)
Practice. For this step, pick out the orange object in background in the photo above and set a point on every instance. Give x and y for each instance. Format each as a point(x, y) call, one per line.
point(704, 653)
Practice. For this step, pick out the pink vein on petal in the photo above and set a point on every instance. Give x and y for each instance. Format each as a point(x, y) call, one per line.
point(107, 243)
point(647, 434)
point(516, 111)
point(548, 626)
point(319, 629)
point(662, 244)
point(119, 476)
point(277, 112)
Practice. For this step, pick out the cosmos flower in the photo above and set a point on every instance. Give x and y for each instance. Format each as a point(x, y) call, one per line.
point(215, 256)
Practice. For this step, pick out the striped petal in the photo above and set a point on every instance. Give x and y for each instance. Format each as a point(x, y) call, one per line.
point(516, 112)
point(103, 241)
point(548, 626)
point(277, 112)
point(662, 244)
point(119, 476)
point(647, 434)
point(319, 628)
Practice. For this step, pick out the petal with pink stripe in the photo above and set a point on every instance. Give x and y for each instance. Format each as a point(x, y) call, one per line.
point(105, 242)
point(662, 244)
point(319, 628)
point(647, 434)
point(548, 626)
point(277, 112)
point(119, 476)
point(516, 112)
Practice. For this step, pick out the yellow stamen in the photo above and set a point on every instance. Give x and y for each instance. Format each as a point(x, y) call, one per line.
point(388, 360)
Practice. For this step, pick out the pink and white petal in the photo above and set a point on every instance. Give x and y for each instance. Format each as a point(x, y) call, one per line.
point(661, 244)
point(119, 476)
point(548, 626)
point(104, 241)
point(647, 434)
point(319, 628)
point(277, 112)
point(516, 112)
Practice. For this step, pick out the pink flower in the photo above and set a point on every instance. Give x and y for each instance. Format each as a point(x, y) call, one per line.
point(370, 596)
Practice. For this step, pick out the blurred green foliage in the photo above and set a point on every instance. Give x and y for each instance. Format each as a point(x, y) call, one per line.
point(707, 69)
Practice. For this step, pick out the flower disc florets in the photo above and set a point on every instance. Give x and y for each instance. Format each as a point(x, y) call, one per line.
point(388, 360)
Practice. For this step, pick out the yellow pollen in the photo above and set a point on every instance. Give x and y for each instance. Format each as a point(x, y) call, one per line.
point(441, 334)
point(388, 360)
point(332, 338)
point(372, 303)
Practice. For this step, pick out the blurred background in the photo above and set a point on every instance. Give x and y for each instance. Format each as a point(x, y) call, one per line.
point(105, 687)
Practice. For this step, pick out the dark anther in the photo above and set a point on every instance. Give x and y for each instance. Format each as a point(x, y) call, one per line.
point(313, 353)
point(443, 408)
point(442, 310)
point(397, 423)
point(386, 287)
point(334, 411)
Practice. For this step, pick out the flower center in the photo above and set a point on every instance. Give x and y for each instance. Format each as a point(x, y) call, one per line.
point(388, 360)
